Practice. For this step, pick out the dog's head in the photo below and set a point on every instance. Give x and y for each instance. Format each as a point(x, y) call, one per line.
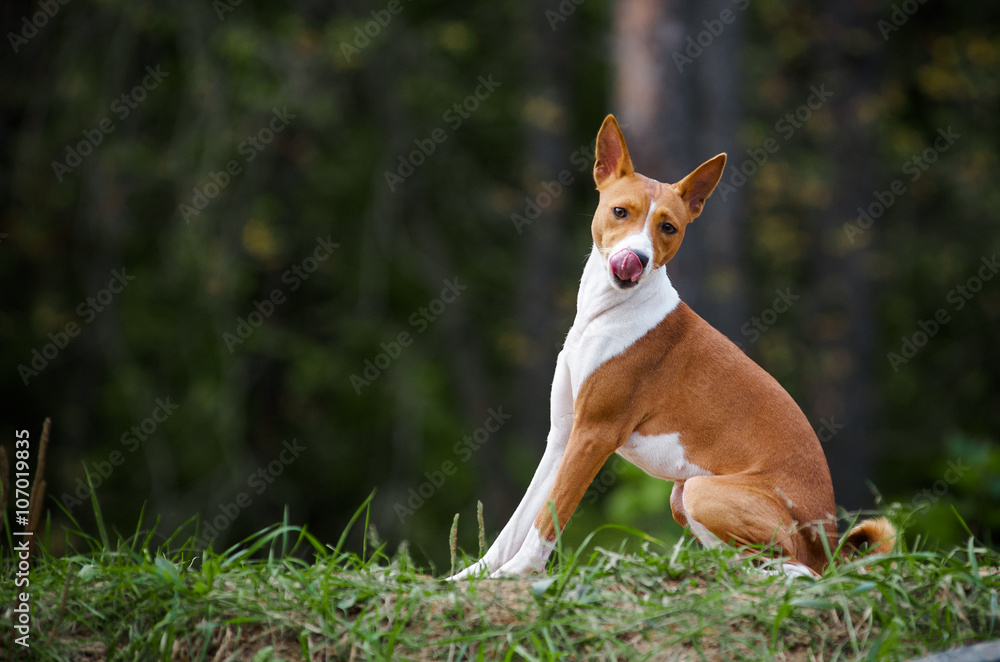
point(640, 222)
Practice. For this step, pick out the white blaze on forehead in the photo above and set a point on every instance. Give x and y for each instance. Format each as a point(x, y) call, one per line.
point(649, 214)
point(648, 227)
point(641, 241)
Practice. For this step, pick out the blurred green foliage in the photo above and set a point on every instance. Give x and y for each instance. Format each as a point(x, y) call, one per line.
point(358, 106)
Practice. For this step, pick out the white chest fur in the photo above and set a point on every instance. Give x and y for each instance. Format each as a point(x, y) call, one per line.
point(661, 456)
point(608, 320)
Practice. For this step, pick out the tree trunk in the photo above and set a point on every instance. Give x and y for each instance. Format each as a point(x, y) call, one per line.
point(676, 114)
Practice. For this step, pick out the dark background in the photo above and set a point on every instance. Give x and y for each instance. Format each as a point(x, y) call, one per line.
point(824, 107)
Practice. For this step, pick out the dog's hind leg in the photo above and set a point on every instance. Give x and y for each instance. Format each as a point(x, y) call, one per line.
point(733, 509)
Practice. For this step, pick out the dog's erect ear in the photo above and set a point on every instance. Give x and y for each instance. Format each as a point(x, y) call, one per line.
point(696, 187)
point(613, 160)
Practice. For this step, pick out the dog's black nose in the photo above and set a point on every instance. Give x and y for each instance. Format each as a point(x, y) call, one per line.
point(643, 258)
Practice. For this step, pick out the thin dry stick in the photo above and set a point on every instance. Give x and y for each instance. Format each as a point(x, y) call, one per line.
point(482, 529)
point(62, 606)
point(453, 543)
point(35, 505)
point(4, 477)
point(38, 488)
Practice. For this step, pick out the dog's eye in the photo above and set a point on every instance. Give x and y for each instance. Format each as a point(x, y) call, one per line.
point(619, 212)
point(668, 228)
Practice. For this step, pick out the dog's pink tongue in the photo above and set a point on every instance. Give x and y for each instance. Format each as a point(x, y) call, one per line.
point(625, 265)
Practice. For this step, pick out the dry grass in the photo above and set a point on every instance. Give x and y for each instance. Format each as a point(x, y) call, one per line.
point(687, 604)
point(283, 595)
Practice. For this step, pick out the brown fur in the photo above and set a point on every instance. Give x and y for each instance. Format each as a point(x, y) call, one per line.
point(874, 535)
point(770, 484)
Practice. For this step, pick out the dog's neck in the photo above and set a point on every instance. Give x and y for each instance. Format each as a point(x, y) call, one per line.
point(652, 298)
point(609, 320)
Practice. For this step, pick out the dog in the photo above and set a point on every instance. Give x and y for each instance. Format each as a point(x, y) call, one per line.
point(642, 375)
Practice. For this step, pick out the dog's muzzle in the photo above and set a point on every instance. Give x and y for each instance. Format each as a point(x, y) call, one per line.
point(627, 265)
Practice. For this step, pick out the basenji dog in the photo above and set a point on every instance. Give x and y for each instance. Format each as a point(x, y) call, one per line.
point(642, 375)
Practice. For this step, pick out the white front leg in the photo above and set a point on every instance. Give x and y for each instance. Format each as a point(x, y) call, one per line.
point(532, 556)
point(522, 521)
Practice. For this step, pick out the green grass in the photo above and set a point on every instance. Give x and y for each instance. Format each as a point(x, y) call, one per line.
point(282, 594)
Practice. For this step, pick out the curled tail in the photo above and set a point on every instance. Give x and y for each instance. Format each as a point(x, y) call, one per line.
point(871, 536)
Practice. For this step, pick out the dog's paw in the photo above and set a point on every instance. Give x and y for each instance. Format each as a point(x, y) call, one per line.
point(522, 564)
point(473, 570)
